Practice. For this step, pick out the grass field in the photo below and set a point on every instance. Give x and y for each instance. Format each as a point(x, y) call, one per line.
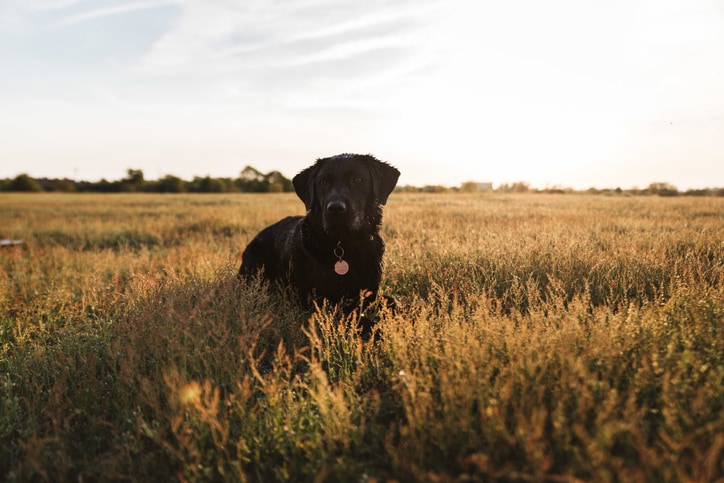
point(542, 338)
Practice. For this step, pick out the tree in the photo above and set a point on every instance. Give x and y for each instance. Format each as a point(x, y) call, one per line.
point(171, 184)
point(24, 182)
point(521, 187)
point(518, 187)
point(277, 183)
point(663, 189)
point(251, 181)
point(208, 184)
point(64, 185)
point(134, 181)
point(475, 187)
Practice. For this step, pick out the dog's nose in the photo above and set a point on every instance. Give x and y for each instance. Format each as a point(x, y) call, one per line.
point(336, 207)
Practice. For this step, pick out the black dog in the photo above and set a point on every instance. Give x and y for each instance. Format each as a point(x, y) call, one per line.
point(335, 251)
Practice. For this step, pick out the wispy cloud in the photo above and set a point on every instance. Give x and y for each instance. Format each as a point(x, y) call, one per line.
point(28, 17)
point(389, 20)
point(111, 11)
point(314, 50)
point(41, 5)
point(352, 48)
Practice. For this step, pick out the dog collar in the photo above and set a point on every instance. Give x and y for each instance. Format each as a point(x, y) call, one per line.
point(341, 267)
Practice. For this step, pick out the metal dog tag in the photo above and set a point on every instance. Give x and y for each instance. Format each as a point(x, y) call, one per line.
point(341, 267)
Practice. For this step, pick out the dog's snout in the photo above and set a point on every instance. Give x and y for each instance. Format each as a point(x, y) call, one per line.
point(336, 207)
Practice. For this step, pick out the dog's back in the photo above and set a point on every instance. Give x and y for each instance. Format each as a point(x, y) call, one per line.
point(270, 251)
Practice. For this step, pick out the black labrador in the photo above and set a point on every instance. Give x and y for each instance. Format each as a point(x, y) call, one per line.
point(335, 251)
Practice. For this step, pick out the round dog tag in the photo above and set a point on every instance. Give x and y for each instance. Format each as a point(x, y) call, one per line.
point(341, 267)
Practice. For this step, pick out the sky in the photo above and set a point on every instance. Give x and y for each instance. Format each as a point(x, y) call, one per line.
point(561, 93)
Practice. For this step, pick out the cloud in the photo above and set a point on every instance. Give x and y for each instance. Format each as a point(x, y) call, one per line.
point(47, 5)
point(111, 11)
point(312, 54)
point(387, 20)
point(352, 48)
point(232, 35)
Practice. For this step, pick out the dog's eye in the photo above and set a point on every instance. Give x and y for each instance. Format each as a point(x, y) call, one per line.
point(323, 182)
point(358, 179)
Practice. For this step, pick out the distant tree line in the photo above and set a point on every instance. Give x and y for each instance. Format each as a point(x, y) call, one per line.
point(658, 189)
point(250, 180)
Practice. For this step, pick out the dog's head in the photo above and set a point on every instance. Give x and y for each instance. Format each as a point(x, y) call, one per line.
point(346, 191)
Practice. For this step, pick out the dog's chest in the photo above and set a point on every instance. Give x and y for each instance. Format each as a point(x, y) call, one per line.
point(340, 274)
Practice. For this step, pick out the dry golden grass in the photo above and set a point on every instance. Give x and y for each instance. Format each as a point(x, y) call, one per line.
point(541, 337)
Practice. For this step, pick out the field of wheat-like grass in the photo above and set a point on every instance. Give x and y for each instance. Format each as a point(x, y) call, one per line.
point(540, 338)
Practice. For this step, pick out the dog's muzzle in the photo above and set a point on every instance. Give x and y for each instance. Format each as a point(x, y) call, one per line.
point(336, 207)
point(339, 216)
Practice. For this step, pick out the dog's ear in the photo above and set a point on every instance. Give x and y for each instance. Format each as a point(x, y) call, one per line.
point(304, 185)
point(384, 178)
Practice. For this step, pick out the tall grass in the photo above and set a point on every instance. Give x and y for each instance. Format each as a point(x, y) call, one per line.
point(540, 338)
